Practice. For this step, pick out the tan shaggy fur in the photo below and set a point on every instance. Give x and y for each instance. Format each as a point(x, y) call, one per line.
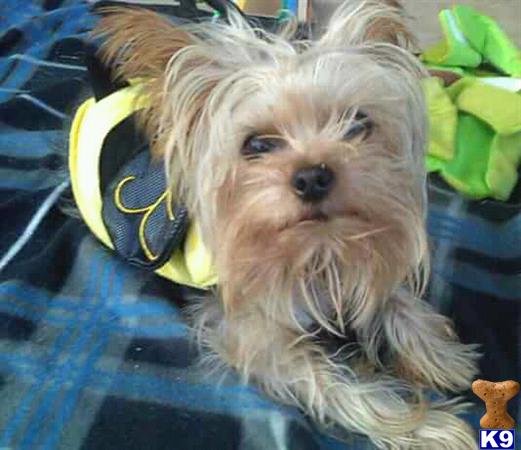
point(354, 263)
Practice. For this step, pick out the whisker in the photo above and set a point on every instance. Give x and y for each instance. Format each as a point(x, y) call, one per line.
point(359, 236)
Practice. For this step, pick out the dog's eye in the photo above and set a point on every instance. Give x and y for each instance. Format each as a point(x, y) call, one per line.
point(258, 145)
point(361, 126)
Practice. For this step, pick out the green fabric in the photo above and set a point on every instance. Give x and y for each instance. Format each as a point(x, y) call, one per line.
point(488, 39)
point(471, 38)
point(455, 49)
point(497, 107)
point(475, 136)
point(466, 171)
point(505, 158)
point(455, 69)
point(475, 127)
point(443, 120)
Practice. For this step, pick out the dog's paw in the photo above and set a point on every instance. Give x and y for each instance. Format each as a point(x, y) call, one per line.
point(425, 346)
point(442, 430)
point(447, 366)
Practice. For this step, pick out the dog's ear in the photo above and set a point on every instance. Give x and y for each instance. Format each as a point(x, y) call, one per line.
point(138, 42)
point(179, 69)
point(357, 22)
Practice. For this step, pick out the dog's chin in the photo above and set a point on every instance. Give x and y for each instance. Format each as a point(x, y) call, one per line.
point(314, 232)
point(309, 217)
point(322, 221)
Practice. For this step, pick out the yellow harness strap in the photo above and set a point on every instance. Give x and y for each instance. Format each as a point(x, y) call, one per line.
point(190, 265)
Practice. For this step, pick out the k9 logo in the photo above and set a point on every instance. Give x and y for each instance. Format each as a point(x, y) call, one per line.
point(501, 439)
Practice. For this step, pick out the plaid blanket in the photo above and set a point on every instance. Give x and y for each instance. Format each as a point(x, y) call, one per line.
point(94, 354)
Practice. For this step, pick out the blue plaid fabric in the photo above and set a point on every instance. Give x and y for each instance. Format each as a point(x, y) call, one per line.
point(94, 354)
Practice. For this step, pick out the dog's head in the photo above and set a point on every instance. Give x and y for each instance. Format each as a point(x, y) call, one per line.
point(302, 160)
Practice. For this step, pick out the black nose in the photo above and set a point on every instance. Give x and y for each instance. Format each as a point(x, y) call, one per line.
point(312, 184)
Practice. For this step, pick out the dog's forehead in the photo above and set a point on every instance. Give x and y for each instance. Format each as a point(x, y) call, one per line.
point(321, 86)
point(308, 111)
point(314, 94)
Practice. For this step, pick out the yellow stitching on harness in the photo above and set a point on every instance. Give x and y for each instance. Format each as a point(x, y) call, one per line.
point(169, 211)
point(148, 210)
point(142, 238)
point(119, 203)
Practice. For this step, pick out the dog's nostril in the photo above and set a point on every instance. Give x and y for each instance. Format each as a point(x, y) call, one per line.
point(324, 178)
point(300, 183)
point(313, 183)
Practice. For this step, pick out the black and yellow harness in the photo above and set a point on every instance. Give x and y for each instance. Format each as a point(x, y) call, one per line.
point(122, 193)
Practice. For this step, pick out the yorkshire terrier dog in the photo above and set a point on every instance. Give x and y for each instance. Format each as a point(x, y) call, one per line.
point(302, 160)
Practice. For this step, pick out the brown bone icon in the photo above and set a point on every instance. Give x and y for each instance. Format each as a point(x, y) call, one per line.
point(496, 397)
